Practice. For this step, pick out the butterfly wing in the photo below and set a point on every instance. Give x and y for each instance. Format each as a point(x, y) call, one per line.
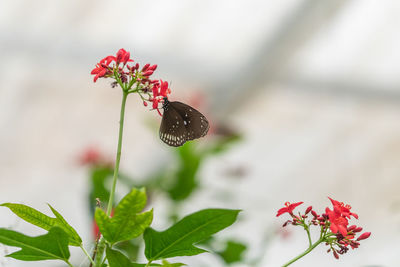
point(196, 123)
point(172, 130)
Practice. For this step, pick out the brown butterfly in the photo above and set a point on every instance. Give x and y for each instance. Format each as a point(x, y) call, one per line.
point(181, 123)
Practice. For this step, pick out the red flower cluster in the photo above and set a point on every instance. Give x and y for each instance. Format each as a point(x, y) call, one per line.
point(131, 78)
point(333, 225)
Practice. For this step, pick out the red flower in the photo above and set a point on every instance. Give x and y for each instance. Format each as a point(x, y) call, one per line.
point(164, 89)
point(289, 208)
point(337, 221)
point(102, 68)
point(344, 209)
point(91, 156)
point(123, 56)
point(160, 90)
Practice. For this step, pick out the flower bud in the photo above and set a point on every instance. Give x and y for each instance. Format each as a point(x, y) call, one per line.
point(335, 254)
point(364, 236)
point(145, 67)
point(147, 73)
point(314, 213)
point(358, 229)
point(308, 209)
point(145, 103)
point(153, 68)
point(351, 228)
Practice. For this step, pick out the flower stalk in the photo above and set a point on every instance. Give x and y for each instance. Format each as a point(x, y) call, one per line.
point(119, 148)
point(127, 76)
point(310, 248)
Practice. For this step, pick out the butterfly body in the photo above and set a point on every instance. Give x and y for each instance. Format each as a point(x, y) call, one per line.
point(181, 123)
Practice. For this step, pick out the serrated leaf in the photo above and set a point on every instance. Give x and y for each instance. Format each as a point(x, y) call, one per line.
point(178, 240)
point(43, 221)
point(51, 246)
point(75, 239)
point(127, 222)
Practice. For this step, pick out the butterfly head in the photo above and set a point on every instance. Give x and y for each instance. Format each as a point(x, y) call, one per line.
point(165, 103)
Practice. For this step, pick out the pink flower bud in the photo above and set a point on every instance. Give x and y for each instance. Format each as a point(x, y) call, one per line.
point(314, 213)
point(351, 228)
point(145, 67)
point(308, 209)
point(358, 229)
point(137, 66)
point(153, 68)
point(145, 103)
point(147, 73)
point(364, 236)
point(335, 254)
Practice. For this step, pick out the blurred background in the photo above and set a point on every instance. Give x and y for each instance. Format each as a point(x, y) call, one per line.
point(310, 88)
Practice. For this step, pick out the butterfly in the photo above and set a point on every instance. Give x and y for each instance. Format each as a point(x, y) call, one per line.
point(181, 123)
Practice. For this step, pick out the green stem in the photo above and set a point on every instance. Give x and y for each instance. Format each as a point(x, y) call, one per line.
point(101, 247)
point(69, 264)
point(100, 252)
point(87, 254)
point(305, 252)
point(308, 235)
point(148, 264)
point(118, 158)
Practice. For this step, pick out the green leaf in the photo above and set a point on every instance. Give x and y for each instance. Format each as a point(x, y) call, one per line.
point(100, 175)
point(233, 252)
point(185, 180)
point(178, 240)
point(127, 222)
point(117, 259)
point(167, 264)
point(31, 215)
point(53, 245)
point(43, 221)
point(75, 239)
point(131, 248)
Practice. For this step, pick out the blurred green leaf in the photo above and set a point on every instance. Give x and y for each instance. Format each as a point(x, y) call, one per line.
point(233, 252)
point(126, 223)
point(43, 221)
point(53, 245)
point(223, 143)
point(185, 180)
point(168, 264)
point(99, 177)
point(178, 240)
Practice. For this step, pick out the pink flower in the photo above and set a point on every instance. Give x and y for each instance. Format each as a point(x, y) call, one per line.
point(289, 208)
point(338, 223)
point(344, 209)
point(123, 56)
